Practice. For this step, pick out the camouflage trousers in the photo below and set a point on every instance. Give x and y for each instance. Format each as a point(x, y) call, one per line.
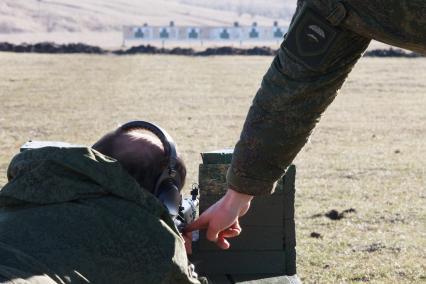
point(325, 40)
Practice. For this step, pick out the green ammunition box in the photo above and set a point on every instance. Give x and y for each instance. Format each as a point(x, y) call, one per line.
point(266, 247)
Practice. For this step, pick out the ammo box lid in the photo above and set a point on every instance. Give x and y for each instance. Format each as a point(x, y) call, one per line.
point(223, 156)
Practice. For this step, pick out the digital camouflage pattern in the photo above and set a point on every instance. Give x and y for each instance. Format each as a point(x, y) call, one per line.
point(75, 216)
point(325, 40)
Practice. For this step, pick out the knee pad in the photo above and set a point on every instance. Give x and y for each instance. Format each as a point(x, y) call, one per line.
point(311, 35)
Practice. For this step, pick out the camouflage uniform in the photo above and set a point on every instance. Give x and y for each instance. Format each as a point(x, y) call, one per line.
point(325, 40)
point(76, 216)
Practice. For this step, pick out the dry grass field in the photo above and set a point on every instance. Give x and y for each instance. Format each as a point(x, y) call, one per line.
point(368, 152)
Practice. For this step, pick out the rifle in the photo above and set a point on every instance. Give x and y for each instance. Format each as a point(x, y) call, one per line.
point(187, 210)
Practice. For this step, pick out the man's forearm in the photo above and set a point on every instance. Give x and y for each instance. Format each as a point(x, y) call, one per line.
point(285, 110)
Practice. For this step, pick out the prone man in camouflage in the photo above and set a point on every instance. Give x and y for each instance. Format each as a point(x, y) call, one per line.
point(75, 215)
point(325, 40)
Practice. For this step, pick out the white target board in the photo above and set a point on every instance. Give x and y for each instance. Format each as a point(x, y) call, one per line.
point(191, 33)
point(142, 33)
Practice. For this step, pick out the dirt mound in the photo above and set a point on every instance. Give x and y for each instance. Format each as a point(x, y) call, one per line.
point(226, 50)
point(391, 52)
point(336, 215)
point(141, 49)
point(316, 235)
point(237, 51)
point(48, 47)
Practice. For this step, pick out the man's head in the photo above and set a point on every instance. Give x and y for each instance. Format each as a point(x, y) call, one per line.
point(141, 153)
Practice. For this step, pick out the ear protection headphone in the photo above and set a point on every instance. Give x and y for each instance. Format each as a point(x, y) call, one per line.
point(168, 185)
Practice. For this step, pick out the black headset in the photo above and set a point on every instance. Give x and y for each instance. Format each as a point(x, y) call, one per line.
point(169, 183)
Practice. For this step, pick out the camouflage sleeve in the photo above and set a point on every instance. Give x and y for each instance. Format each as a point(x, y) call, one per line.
point(294, 93)
point(401, 23)
point(305, 76)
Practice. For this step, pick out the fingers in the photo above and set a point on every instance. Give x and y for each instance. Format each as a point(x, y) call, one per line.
point(236, 226)
point(212, 233)
point(221, 239)
point(229, 233)
point(223, 243)
point(221, 222)
point(201, 223)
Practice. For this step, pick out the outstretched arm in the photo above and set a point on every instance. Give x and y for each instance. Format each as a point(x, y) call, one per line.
point(294, 93)
point(311, 66)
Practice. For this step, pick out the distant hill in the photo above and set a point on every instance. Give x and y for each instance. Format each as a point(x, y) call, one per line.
point(99, 22)
point(38, 16)
point(277, 9)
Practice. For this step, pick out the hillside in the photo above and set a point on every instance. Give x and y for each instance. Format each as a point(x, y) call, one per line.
point(104, 16)
point(99, 22)
point(277, 9)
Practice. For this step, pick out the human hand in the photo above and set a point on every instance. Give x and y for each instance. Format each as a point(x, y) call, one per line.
point(221, 219)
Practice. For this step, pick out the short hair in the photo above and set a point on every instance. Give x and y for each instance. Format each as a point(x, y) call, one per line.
point(140, 153)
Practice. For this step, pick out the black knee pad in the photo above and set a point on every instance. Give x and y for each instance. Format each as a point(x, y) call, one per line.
point(310, 38)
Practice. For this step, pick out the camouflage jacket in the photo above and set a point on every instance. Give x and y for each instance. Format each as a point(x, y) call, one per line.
point(325, 40)
point(75, 216)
